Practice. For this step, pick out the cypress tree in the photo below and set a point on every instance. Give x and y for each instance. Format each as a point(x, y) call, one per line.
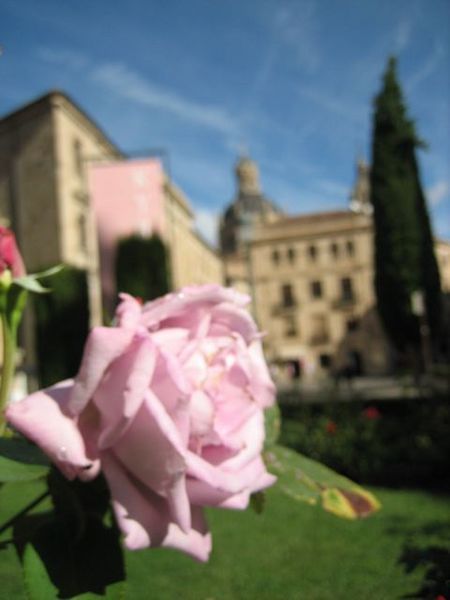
point(404, 252)
point(142, 267)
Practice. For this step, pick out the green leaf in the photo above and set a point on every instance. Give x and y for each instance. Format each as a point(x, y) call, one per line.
point(272, 422)
point(37, 582)
point(21, 450)
point(48, 272)
point(21, 461)
point(31, 284)
point(309, 481)
point(11, 470)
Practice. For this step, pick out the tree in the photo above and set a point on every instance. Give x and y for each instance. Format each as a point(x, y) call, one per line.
point(142, 267)
point(62, 325)
point(404, 250)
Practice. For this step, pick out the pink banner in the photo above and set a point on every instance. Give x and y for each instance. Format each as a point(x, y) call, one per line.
point(127, 198)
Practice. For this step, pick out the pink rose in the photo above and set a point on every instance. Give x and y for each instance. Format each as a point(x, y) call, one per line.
point(169, 405)
point(9, 254)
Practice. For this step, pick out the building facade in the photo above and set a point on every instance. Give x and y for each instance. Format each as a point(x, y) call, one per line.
point(311, 281)
point(46, 150)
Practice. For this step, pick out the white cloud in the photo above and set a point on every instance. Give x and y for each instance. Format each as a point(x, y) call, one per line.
point(402, 35)
point(68, 58)
point(333, 188)
point(298, 29)
point(343, 108)
point(207, 222)
point(427, 67)
point(127, 83)
point(438, 192)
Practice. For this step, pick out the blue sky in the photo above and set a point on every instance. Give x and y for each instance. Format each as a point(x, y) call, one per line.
point(289, 82)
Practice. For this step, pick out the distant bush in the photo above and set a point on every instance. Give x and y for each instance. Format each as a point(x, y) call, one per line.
point(142, 267)
point(62, 325)
point(391, 443)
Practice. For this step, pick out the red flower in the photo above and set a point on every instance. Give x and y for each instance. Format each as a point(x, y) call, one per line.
point(9, 254)
point(371, 413)
point(331, 427)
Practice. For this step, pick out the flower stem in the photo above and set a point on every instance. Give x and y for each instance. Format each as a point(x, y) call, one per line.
point(9, 354)
point(11, 314)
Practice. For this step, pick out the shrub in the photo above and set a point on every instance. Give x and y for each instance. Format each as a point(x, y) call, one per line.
point(142, 267)
point(403, 443)
point(62, 324)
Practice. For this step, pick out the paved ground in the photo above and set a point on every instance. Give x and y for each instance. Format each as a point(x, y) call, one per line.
point(362, 388)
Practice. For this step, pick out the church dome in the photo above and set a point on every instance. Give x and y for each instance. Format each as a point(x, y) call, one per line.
point(247, 175)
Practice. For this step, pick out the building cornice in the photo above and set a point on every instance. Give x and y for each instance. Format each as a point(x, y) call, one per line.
point(59, 99)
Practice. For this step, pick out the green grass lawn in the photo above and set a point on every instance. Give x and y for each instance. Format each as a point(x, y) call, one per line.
point(290, 551)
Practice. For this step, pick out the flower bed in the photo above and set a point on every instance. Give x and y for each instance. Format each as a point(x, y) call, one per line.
point(403, 443)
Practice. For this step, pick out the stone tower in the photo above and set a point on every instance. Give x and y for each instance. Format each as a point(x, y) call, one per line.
point(360, 194)
point(249, 207)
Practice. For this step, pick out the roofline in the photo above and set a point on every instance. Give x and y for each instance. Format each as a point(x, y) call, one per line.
point(206, 243)
point(316, 215)
point(50, 98)
point(177, 194)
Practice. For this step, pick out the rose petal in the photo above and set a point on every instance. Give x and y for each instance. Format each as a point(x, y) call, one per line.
point(103, 346)
point(235, 319)
point(42, 417)
point(152, 451)
point(197, 542)
point(144, 516)
point(202, 494)
point(128, 312)
point(121, 393)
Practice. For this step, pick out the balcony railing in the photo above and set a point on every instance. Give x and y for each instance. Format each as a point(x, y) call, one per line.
point(319, 338)
point(344, 302)
point(284, 309)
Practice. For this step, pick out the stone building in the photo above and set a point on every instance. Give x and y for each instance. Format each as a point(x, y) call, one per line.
point(46, 149)
point(248, 209)
point(311, 281)
point(136, 197)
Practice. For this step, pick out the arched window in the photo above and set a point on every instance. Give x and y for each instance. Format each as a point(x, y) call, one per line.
point(312, 251)
point(334, 249)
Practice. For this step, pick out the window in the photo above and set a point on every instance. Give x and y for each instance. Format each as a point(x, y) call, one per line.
point(319, 329)
point(312, 251)
point(347, 289)
point(291, 255)
point(287, 295)
point(352, 324)
point(334, 249)
point(316, 289)
point(275, 257)
point(291, 326)
point(325, 361)
point(77, 156)
point(350, 248)
point(82, 234)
